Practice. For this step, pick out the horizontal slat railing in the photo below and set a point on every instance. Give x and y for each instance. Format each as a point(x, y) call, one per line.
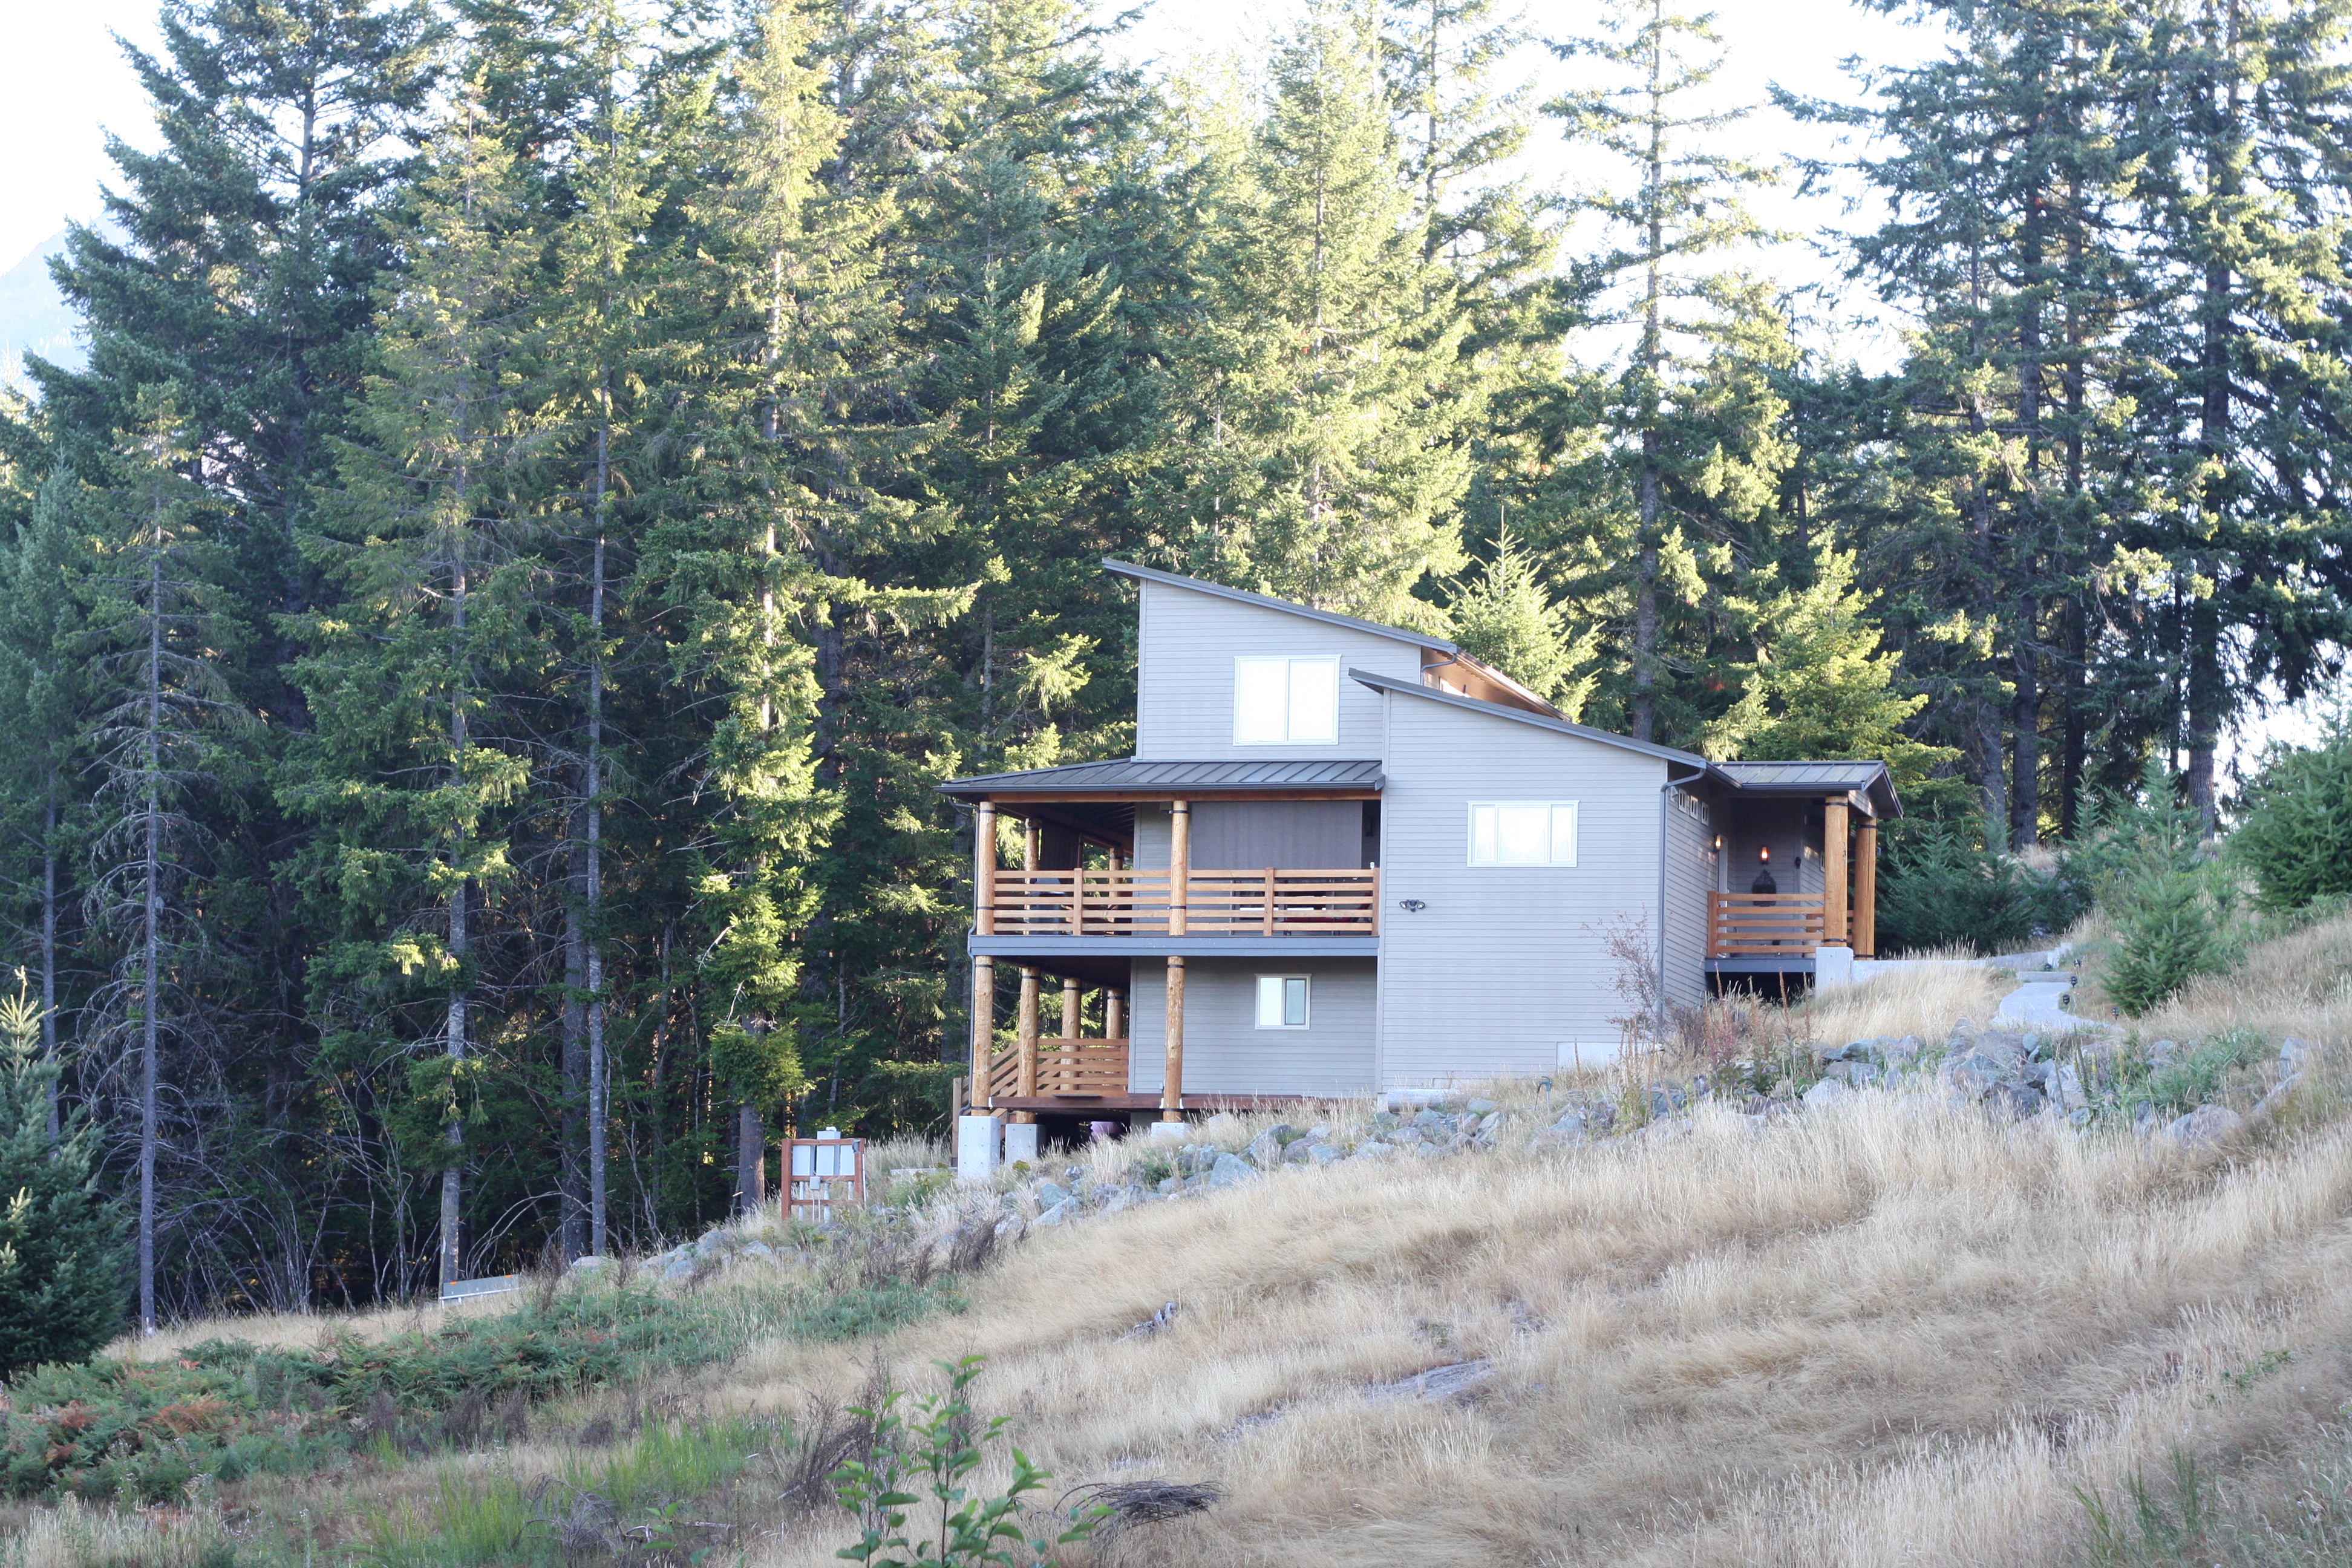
point(1065, 1067)
point(1740, 925)
point(1275, 901)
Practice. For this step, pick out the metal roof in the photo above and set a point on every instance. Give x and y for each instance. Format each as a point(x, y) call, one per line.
point(1134, 773)
point(1542, 722)
point(1866, 777)
point(1330, 617)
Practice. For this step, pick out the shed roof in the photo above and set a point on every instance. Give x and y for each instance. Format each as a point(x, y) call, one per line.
point(1204, 778)
point(1540, 721)
point(1243, 595)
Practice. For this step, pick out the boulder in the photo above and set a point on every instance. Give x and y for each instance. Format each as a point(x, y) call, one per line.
point(2205, 1126)
point(2066, 1086)
point(1266, 1150)
point(1903, 1052)
point(1481, 1108)
point(677, 1271)
point(1432, 1122)
point(1060, 1213)
point(2271, 1104)
point(2163, 1053)
point(1324, 1154)
point(1666, 1099)
point(1827, 1093)
point(1373, 1149)
point(2295, 1054)
point(1050, 1193)
point(2013, 1101)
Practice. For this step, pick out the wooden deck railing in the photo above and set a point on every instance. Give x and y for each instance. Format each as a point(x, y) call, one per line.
point(1738, 925)
point(1275, 901)
point(1065, 1067)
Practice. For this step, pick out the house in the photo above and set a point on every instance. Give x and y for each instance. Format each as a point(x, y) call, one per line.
point(1348, 857)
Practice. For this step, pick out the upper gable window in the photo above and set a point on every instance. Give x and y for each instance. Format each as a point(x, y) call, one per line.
point(1286, 701)
point(1523, 833)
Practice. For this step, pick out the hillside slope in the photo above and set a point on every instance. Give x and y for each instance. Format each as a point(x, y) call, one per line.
point(1891, 1330)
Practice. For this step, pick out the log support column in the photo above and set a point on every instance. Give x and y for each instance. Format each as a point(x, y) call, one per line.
point(1866, 889)
point(1028, 1080)
point(983, 1028)
point(1180, 863)
point(1836, 860)
point(1171, 1086)
point(1114, 1015)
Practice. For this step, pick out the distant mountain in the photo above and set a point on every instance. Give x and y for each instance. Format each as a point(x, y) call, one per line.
point(32, 319)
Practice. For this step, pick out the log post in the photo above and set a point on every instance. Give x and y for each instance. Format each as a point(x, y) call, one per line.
point(1180, 863)
point(1114, 1015)
point(1866, 889)
point(983, 869)
point(1070, 1005)
point(1171, 1084)
point(984, 1027)
point(1835, 856)
point(1027, 1083)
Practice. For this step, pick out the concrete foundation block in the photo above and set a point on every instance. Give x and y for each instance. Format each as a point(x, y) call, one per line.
point(1173, 1131)
point(1833, 968)
point(979, 1147)
point(1021, 1142)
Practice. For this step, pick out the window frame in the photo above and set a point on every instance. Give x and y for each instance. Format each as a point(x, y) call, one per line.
point(1282, 983)
point(1289, 662)
point(1552, 810)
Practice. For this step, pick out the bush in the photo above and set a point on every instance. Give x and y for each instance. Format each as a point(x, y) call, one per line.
point(2140, 858)
point(1939, 887)
point(2296, 838)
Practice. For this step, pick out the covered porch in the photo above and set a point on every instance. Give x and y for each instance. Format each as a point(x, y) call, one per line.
point(1079, 911)
point(1795, 865)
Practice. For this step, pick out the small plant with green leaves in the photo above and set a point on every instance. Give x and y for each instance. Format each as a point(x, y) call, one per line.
point(921, 1461)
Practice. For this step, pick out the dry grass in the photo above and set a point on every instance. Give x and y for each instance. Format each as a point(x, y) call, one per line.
point(1857, 1339)
point(1919, 996)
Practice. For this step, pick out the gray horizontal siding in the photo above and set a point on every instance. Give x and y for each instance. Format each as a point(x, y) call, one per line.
point(1507, 964)
point(1185, 682)
point(1690, 873)
point(1224, 1050)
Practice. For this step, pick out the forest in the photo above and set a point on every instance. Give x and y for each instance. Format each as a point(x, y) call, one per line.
point(556, 483)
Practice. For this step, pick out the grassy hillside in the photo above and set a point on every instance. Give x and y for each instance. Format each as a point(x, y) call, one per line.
point(1890, 1332)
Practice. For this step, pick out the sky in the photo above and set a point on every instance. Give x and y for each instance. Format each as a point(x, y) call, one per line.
point(64, 86)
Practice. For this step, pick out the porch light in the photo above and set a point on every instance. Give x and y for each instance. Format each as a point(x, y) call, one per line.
point(1764, 855)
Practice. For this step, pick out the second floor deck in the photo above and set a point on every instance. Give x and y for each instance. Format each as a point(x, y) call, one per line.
point(1130, 902)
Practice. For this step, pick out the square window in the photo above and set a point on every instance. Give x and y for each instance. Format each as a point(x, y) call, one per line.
point(1523, 833)
point(1282, 1001)
point(1281, 701)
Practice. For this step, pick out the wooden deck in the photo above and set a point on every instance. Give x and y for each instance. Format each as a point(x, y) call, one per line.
point(1275, 901)
point(1769, 924)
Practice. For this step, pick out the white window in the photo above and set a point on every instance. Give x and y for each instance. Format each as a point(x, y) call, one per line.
point(1282, 1001)
point(1523, 833)
point(1279, 702)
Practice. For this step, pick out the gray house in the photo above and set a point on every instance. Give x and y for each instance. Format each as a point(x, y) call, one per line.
point(1348, 857)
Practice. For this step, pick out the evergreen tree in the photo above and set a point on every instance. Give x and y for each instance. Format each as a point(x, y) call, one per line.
point(1820, 685)
point(1507, 618)
point(163, 688)
point(408, 771)
point(1328, 460)
point(61, 1253)
point(1688, 481)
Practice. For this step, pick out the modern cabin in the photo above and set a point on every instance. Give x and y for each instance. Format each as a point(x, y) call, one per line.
point(1349, 858)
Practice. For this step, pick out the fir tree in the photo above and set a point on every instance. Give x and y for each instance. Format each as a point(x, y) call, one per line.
point(403, 675)
point(1506, 617)
point(61, 1252)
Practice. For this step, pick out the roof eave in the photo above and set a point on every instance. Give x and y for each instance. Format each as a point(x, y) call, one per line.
point(1377, 682)
point(1267, 601)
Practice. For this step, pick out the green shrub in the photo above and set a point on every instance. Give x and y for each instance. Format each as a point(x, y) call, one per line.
point(2170, 935)
point(1939, 887)
point(921, 1460)
point(2141, 859)
point(2296, 838)
point(61, 1244)
point(861, 1311)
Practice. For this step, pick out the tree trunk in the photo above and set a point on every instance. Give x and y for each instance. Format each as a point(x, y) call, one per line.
point(151, 936)
point(1644, 712)
point(49, 948)
point(454, 1133)
point(572, 1184)
point(750, 1159)
point(599, 1113)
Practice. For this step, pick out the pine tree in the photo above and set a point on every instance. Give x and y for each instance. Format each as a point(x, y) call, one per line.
point(163, 690)
point(404, 675)
point(1328, 439)
point(45, 695)
point(1686, 207)
point(61, 1253)
point(1506, 617)
point(1820, 686)
point(2245, 148)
